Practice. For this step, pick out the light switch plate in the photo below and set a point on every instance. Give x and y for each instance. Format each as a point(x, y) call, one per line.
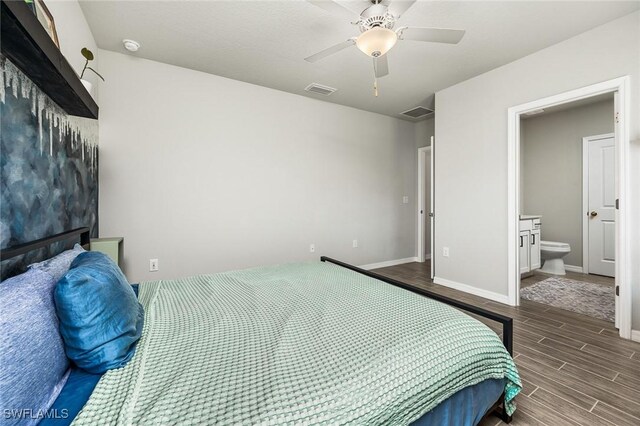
point(405, 199)
point(153, 265)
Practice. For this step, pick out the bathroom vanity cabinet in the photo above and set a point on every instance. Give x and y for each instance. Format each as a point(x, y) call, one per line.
point(529, 243)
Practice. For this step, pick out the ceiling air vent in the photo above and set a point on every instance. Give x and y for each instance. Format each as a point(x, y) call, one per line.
point(417, 112)
point(320, 89)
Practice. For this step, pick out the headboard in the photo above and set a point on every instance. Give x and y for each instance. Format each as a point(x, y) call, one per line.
point(83, 234)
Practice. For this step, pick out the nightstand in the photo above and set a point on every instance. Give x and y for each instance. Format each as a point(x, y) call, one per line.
point(112, 247)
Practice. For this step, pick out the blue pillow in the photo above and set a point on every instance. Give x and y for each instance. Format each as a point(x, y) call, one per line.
point(33, 364)
point(58, 265)
point(100, 317)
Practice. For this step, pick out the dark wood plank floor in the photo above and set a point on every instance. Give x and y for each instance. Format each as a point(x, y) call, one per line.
point(574, 368)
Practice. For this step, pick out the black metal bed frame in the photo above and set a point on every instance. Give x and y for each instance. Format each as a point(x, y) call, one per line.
point(17, 250)
point(507, 323)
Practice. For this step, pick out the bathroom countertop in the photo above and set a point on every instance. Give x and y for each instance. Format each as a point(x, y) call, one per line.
point(529, 216)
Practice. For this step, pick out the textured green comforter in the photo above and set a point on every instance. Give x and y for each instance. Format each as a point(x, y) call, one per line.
point(297, 344)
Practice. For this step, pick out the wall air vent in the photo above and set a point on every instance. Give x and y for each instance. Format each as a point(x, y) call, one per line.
point(417, 112)
point(320, 89)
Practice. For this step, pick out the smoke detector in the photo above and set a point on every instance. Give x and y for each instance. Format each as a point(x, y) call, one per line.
point(131, 45)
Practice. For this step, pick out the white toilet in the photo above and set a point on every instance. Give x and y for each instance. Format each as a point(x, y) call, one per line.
point(552, 254)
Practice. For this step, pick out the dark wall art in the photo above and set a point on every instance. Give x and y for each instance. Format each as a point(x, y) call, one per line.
point(49, 168)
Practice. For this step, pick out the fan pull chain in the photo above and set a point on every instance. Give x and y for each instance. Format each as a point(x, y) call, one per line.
point(375, 78)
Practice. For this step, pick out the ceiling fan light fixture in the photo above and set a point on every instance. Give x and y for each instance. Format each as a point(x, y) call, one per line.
point(377, 41)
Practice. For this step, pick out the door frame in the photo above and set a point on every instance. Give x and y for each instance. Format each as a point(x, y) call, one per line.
point(585, 196)
point(421, 200)
point(620, 88)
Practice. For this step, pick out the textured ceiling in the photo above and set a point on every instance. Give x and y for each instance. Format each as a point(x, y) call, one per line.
point(264, 42)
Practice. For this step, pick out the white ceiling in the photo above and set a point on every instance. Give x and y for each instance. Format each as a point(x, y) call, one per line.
point(264, 42)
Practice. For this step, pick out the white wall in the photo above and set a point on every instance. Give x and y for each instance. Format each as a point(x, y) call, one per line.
point(551, 172)
point(424, 130)
point(74, 34)
point(471, 135)
point(209, 174)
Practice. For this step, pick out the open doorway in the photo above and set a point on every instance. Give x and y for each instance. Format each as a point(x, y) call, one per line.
point(618, 173)
point(567, 203)
point(425, 206)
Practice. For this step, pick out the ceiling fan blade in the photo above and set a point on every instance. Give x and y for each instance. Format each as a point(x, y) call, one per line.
point(381, 66)
point(331, 50)
point(398, 8)
point(434, 35)
point(334, 8)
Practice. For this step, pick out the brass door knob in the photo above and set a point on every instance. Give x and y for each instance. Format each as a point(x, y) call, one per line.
point(593, 213)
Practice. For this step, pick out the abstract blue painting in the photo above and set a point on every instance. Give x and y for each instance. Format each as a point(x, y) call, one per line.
point(49, 169)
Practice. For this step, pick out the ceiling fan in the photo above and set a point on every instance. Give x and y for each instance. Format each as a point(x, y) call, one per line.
point(377, 35)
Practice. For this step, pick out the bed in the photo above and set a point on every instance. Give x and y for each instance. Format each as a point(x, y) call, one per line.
point(312, 343)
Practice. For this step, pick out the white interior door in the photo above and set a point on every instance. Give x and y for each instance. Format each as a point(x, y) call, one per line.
point(601, 206)
point(432, 218)
point(427, 205)
point(424, 203)
point(426, 220)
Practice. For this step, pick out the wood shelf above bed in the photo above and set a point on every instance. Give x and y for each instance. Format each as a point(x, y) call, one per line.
point(28, 46)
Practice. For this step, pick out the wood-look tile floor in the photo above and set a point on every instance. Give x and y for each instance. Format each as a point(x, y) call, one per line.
point(575, 369)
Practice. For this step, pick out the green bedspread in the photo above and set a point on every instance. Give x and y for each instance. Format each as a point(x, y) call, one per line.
point(295, 344)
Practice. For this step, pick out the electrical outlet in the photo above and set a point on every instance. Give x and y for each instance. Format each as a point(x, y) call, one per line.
point(153, 265)
point(405, 199)
point(312, 248)
point(445, 251)
point(355, 243)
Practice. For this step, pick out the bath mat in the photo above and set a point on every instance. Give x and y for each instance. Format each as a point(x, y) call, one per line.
point(594, 300)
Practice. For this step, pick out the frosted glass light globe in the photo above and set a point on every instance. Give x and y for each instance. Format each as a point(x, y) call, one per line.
point(377, 41)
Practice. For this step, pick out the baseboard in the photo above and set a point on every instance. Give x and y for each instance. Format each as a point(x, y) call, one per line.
point(389, 263)
point(573, 268)
point(496, 297)
point(635, 335)
point(427, 257)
